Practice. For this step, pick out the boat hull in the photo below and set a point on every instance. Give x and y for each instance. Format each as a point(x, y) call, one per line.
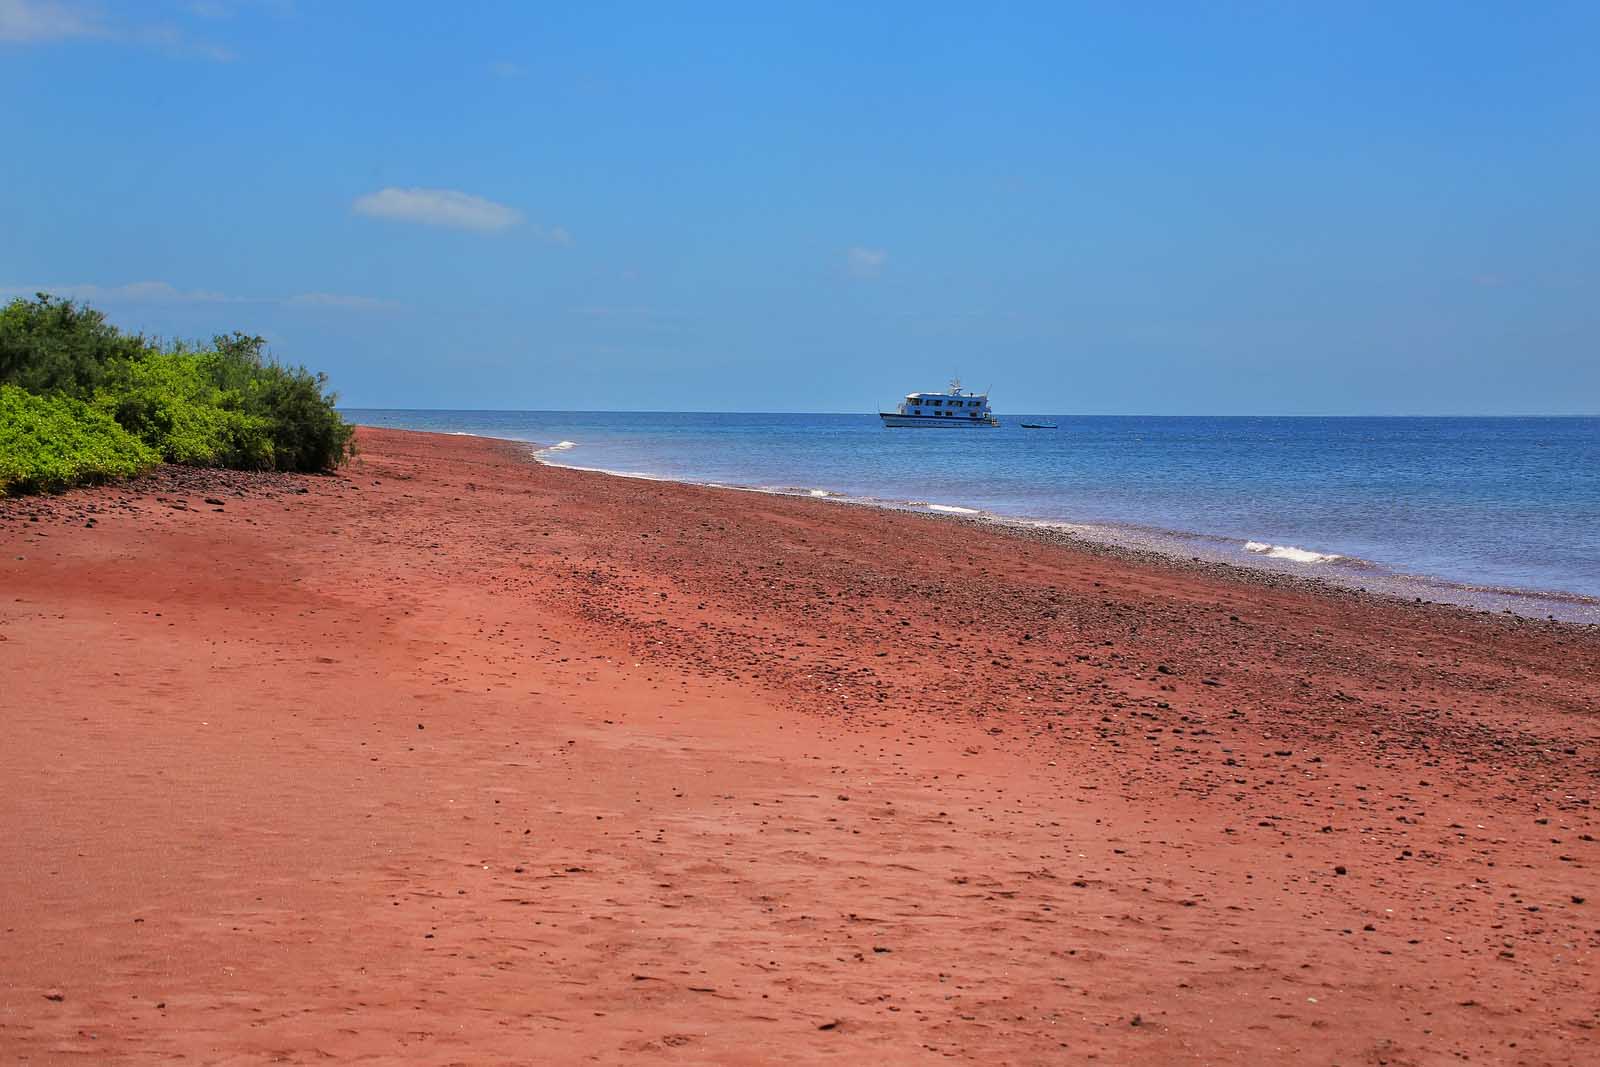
point(894, 419)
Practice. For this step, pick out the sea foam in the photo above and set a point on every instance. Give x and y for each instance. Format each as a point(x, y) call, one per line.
point(1289, 552)
point(951, 509)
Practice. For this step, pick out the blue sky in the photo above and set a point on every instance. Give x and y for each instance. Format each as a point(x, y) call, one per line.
point(1159, 208)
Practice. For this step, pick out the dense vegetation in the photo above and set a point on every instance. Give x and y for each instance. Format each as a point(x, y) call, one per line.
point(81, 401)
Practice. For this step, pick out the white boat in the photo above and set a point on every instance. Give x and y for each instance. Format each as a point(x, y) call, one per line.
point(948, 409)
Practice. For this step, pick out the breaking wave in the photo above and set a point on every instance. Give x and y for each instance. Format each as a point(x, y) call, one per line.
point(1290, 552)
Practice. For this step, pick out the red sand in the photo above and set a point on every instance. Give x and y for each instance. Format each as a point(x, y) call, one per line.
point(456, 759)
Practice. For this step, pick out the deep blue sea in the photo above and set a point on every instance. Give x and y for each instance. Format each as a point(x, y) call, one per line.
point(1495, 513)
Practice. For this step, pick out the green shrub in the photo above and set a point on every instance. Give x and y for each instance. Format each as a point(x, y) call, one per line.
point(226, 406)
point(56, 346)
point(306, 431)
point(52, 443)
point(168, 401)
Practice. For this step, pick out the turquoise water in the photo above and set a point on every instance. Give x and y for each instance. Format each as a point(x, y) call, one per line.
point(1496, 512)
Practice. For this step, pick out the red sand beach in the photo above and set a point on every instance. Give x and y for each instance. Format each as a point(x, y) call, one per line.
point(457, 759)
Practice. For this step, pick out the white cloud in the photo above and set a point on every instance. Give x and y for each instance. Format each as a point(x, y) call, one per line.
point(41, 21)
point(166, 293)
point(227, 9)
point(28, 21)
point(173, 40)
point(133, 292)
point(438, 207)
point(865, 262)
point(338, 301)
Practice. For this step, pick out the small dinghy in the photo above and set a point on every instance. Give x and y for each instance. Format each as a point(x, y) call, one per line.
point(1038, 426)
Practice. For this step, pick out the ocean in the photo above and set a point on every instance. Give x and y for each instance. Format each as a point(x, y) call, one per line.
point(1492, 513)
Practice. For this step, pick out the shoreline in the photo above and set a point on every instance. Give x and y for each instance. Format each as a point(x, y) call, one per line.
point(453, 757)
point(1532, 592)
point(1174, 547)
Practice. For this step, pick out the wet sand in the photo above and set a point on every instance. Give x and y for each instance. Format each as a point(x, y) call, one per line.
point(454, 758)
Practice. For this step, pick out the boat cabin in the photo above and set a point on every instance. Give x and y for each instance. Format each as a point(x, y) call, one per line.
point(945, 406)
point(953, 407)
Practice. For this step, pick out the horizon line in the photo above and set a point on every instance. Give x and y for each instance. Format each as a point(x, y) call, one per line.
point(1013, 415)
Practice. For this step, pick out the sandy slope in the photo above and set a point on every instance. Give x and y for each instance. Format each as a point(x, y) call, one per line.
point(455, 759)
